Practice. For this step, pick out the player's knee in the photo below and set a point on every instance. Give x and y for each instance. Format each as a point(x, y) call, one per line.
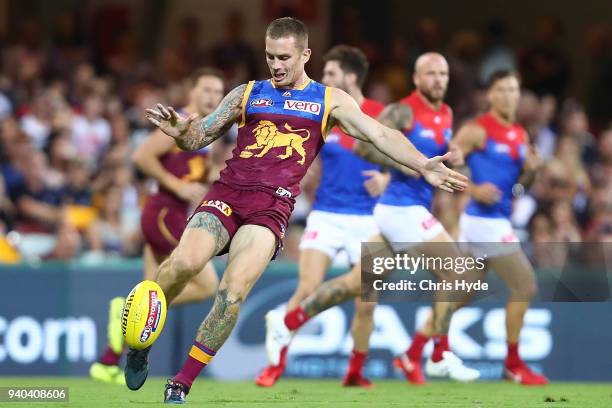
point(525, 291)
point(186, 266)
point(530, 290)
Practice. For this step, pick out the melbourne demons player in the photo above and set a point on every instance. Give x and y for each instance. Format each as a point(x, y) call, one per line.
point(499, 156)
point(341, 217)
point(403, 216)
point(181, 178)
point(283, 123)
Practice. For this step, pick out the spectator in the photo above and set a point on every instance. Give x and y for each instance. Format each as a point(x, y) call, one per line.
point(110, 235)
point(544, 67)
point(91, 132)
point(186, 55)
point(234, 55)
point(37, 122)
point(575, 125)
point(498, 55)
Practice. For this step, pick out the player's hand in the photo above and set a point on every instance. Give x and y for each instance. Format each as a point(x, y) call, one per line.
point(191, 192)
point(456, 159)
point(377, 182)
point(168, 121)
point(440, 176)
point(533, 159)
point(486, 193)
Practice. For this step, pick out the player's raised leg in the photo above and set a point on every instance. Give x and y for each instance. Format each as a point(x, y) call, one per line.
point(203, 238)
point(250, 252)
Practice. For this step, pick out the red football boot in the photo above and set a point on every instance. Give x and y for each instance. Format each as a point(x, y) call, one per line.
point(411, 368)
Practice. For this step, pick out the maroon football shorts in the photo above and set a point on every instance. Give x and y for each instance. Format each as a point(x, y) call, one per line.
point(235, 207)
point(162, 225)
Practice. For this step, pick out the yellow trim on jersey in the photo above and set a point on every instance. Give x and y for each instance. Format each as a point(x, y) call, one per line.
point(161, 225)
point(299, 88)
point(304, 85)
point(245, 99)
point(327, 104)
point(199, 355)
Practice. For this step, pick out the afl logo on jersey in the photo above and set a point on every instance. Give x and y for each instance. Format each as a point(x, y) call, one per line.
point(261, 102)
point(302, 106)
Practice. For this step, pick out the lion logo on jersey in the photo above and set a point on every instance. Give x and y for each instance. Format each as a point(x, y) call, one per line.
point(267, 136)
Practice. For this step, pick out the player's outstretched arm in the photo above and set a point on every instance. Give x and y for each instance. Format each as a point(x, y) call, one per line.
point(191, 133)
point(395, 116)
point(392, 143)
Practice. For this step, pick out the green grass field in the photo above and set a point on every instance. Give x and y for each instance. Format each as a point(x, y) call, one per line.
point(324, 393)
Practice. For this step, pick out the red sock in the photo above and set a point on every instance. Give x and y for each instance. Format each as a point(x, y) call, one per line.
point(296, 318)
point(199, 356)
point(440, 346)
point(512, 358)
point(356, 362)
point(415, 351)
point(283, 357)
point(109, 357)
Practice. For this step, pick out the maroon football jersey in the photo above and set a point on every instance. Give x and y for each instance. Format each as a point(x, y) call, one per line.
point(281, 132)
point(188, 166)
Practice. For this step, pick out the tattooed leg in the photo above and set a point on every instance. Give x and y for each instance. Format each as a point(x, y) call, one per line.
point(251, 249)
point(442, 314)
point(203, 238)
point(331, 293)
point(218, 325)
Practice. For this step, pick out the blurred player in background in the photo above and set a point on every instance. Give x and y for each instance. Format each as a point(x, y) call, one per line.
point(403, 216)
point(341, 216)
point(499, 156)
point(283, 123)
point(182, 179)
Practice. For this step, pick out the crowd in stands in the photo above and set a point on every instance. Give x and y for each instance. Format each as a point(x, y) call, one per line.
point(72, 112)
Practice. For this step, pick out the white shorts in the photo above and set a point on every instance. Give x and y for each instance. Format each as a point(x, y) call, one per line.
point(331, 233)
point(488, 237)
point(406, 226)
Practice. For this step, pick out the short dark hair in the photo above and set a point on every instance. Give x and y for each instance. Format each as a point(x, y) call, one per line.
point(288, 27)
point(501, 74)
point(351, 59)
point(204, 71)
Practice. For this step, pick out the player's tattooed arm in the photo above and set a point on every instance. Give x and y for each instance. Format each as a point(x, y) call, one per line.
point(396, 116)
point(193, 132)
point(221, 319)
point(213, 225)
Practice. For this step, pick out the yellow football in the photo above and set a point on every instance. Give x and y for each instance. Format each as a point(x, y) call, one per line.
point(143, 315)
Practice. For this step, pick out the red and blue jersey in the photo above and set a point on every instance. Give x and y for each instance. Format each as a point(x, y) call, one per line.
point(430, 133)
point(500, 162)
point(341, 188)
point(280, 134)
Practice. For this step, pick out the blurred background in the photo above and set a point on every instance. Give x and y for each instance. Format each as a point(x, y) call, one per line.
point(75, 76)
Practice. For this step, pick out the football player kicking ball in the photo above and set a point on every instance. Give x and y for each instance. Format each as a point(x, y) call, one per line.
point(405, 221)
point(341, 217)
point(180, 176)
point(283, 122)
point(499, 156)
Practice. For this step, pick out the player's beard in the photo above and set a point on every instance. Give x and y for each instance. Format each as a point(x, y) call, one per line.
point(433, 96)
